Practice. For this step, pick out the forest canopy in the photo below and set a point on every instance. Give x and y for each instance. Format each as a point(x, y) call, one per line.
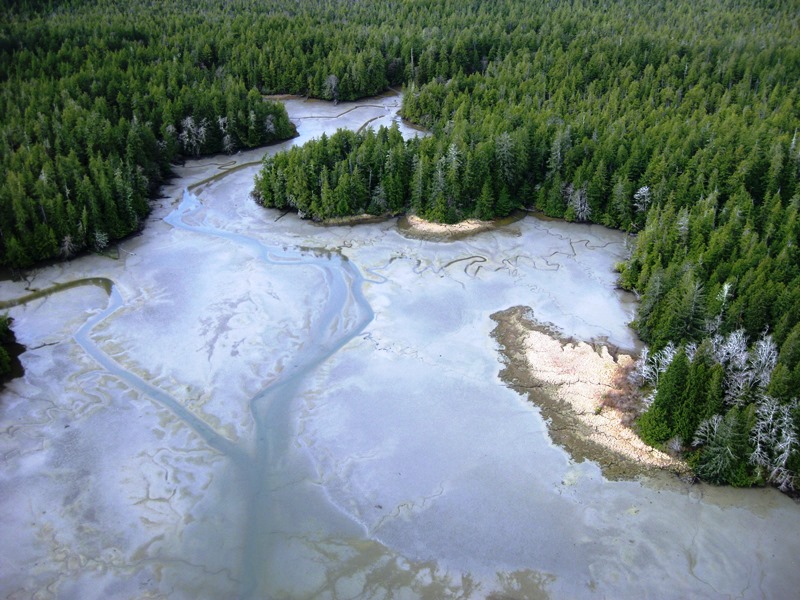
point(675, 121)
point(97, 100)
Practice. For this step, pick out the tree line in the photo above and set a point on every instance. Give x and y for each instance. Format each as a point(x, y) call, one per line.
point(6, 340)
point(97, 101)
point(674, 121)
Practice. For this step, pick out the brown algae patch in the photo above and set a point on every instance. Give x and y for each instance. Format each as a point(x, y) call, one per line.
point(568, 381)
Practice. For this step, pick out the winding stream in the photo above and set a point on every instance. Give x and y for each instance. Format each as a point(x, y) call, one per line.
point(248, 406)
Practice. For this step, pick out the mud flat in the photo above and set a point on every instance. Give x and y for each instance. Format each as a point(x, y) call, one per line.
point(260, 407)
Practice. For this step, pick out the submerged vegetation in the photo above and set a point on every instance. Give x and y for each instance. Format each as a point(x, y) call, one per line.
point(675, 121)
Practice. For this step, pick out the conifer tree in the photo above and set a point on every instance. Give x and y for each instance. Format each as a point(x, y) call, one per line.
point(660, 422)
point(693, 406)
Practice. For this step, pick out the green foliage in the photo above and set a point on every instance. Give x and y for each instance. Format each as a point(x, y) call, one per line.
point(5, 362)
point(785, 381)
point(352, 173)
point(6, 337)
point(666, 415)
point(726, 451)
point(97, 100)
point(718, 397)
point(559, 102)
point(700, 400)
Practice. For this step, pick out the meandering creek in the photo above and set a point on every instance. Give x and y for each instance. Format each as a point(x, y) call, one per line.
point(247, 405)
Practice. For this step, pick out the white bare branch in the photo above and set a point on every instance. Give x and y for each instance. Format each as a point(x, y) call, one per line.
point(774, 440)
point(763, 358)
point(642, 198)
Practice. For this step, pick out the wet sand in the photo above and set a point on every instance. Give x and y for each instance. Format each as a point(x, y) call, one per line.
point(419, 226)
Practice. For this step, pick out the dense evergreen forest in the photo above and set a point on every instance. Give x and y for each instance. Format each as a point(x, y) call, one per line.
point(97, 100)
point(675, 121)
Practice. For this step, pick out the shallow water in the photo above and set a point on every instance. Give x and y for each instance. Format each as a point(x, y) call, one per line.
point(265, 408)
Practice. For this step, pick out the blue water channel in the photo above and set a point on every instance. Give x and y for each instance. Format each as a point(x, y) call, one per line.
point(260, 460)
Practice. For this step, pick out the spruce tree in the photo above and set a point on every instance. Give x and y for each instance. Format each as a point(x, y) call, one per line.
point(658, 424)
point(690, 411)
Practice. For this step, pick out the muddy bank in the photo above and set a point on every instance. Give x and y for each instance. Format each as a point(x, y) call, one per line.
point(267, 408)
point(353, 220)
point(416, 227)
point(568, 381)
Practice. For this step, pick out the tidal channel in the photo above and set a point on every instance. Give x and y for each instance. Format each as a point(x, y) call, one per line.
point(243, 404)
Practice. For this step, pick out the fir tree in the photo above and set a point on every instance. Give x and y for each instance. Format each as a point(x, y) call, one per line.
point(659, 422)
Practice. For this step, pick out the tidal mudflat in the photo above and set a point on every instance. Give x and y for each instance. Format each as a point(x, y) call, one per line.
point(261, 407)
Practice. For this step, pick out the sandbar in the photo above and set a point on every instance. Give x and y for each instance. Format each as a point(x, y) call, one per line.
point(415, 226)
point(569, 381)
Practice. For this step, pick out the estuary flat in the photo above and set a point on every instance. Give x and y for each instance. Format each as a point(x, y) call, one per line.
point(262, 407)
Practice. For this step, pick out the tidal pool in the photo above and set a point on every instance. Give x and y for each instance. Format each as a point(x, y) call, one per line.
point(260, 407)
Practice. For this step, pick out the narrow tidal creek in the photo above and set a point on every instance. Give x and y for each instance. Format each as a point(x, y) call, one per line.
point(245, 405)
